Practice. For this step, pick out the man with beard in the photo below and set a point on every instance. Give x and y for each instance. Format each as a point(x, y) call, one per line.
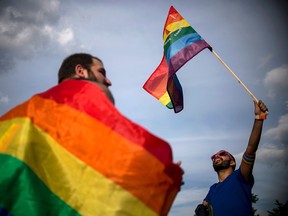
point(69, 151)
point(232, 194)
point(83, 65)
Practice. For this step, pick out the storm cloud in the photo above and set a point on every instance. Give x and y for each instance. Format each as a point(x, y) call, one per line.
point(26, 27)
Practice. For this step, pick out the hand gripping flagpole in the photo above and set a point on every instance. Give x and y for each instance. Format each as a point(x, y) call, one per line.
point(234, 75)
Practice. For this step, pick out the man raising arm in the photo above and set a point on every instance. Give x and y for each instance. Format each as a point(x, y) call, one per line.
point(232, 194)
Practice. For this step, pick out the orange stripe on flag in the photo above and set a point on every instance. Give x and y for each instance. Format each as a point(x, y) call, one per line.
point(78, 185)
point(103, 149)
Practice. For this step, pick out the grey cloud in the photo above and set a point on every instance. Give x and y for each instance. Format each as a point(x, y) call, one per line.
point(22, 29)
point(280, 132)
point(4, 99)
point(32, 12)
point(276, 81)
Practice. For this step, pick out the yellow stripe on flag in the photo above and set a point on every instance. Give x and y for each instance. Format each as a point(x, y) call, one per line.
point(76, 183)
point(165, 99)
point(174, 27)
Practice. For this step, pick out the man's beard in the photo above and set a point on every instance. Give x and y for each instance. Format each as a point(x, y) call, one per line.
point(91, 75)
point(221, 166)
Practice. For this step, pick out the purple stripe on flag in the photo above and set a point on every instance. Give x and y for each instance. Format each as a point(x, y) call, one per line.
point(178, 60)
point(174, 89)
point(181, 43)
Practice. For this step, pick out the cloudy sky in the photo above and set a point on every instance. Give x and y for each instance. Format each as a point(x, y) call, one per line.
point(250, 37)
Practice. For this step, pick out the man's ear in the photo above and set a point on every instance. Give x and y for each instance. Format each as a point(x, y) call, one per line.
point(232, 163)
point(80, 71)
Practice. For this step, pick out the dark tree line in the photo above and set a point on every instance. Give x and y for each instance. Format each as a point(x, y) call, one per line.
point(279, 209)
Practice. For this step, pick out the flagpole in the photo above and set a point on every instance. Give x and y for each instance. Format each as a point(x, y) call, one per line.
point(234, 75)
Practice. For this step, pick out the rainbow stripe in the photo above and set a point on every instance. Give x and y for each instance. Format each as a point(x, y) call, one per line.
point(248, 160)
point(181, 43)
point(68, 151)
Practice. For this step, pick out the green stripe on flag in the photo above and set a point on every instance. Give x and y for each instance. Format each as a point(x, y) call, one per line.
point(176, 35)
point(23, 193)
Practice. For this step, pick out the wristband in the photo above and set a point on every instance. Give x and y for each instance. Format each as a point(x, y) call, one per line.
point(248, 160)
point(262, 117)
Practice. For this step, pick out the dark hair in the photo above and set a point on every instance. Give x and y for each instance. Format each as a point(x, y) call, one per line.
point(233, 167)
point(67, 68)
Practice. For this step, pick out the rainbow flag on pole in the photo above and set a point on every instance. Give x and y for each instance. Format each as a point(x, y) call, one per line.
point(68, 151)
point(181, 43)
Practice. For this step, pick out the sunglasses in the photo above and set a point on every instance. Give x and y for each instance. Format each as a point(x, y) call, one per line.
point(222, 153)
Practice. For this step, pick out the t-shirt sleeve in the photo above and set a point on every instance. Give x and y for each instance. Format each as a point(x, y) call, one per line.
point(250, 182)
point(208, 196)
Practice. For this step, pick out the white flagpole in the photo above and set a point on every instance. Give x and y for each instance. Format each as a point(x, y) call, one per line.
point(234, 75)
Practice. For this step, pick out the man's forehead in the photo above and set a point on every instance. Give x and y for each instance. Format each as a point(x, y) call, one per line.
point(97, 62)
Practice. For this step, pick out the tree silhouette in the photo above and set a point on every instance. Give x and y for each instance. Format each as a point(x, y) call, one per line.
point(280, 210)
point(254, 200)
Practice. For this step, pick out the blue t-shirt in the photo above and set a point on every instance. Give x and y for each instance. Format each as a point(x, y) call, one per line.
point(232, 197)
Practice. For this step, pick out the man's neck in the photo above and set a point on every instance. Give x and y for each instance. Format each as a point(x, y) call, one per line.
point(223, 174)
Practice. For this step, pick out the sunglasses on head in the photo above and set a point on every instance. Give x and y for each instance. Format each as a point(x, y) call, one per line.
point(222, 153)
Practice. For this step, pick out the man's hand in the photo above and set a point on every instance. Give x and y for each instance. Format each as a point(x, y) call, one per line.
point(260, 108)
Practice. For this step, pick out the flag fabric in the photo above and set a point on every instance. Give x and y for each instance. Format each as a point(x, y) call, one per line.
point(181, 43)
point(69, 151)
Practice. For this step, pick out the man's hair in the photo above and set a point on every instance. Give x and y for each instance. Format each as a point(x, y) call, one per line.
point(233, 167)
point(67, 68)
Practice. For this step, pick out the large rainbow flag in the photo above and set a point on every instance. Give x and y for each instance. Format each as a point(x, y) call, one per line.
point(181, 43)
point(69, 151)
